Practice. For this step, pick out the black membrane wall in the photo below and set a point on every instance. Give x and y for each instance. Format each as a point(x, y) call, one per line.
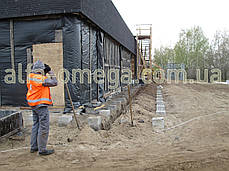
point(101, 12)
point(84, 46)
point(26, 33)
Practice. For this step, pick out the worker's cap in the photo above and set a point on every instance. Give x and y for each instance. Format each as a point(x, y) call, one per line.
point(38, 65)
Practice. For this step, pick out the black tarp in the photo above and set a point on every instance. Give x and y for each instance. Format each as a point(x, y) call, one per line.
point(26, 33)
point(125, 62)
point(112, 61)
point(84, 47)
point(101, 12)
point(5, 34)
point(94, 62)
point(107, 17)
point(106, 62)
point(5, 63)
point(85, 52)
point(100, 44)
point(35, 31)
point(85, 87)
point(11, 93)
point(72, 57)
point(5, 52)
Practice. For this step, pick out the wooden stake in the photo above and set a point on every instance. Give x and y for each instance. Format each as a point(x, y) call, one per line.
point(73, 108)
point(130, 104)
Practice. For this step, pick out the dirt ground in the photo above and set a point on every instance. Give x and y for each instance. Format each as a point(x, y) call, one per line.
point(196, 137)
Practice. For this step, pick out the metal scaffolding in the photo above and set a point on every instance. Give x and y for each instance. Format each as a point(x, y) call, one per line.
point(144, 47)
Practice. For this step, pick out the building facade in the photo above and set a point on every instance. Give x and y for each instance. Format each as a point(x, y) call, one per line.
point(70, 36)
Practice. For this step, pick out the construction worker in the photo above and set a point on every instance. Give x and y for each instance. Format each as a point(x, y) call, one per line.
point(39, 99)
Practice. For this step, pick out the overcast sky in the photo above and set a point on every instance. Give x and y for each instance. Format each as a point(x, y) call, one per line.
point(170, 16)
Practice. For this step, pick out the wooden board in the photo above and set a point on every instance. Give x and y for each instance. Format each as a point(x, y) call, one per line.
point(52, 54)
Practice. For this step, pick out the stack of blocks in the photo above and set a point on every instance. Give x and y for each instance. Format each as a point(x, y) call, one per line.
point(158, 122)
point(160, 105)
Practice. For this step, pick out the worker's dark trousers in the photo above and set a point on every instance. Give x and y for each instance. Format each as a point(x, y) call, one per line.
point(40, 130)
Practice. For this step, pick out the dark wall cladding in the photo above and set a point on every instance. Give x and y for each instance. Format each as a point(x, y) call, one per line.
point(36, 31)
point(84, 47)
point(72, 56)
point(85, 91)
point(126, 59)
point(26, 33)
point(106, 16)
point(12, 94)
point(21, 8)
point(101, 12)
point(4, 34)
point(4, 64)
point(93, 61)
point(115, 57)
point(100, 60)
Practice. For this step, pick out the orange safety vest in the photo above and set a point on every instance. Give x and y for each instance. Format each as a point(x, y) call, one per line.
point(37, 93)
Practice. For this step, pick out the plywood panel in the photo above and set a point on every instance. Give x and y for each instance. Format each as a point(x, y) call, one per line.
point(52, 54)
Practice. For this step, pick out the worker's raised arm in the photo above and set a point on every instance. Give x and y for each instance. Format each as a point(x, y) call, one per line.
point(52, 81)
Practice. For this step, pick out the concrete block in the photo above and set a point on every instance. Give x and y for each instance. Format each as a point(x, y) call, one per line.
point(95, 123)
point(159, 87)
point(64, 120)
point(123, 100)
point(159, 99)
point(117, 103)
point(90, 110)
point(115, 108)
point(159, 91)
point(30, 118)
point(114, 111)
point(159, 96)
point(106, 113)
point(158, 122)
point(160, 111)
point(161, 106)
point(227, 81)
point(124, 120)
point(160, 102)
point(123, 104)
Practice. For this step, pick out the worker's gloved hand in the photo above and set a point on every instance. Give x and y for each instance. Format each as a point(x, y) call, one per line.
point(47, 69)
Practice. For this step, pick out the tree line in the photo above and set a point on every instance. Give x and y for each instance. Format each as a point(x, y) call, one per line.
point(196, 51)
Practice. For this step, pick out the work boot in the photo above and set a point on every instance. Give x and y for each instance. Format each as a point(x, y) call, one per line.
point(46, 152)
point(33, 150)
